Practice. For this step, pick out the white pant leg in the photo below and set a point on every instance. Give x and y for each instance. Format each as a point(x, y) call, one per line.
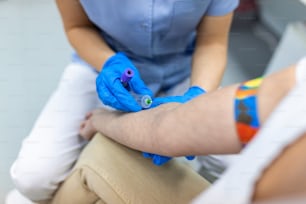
point(49, 152)
point(14, 197)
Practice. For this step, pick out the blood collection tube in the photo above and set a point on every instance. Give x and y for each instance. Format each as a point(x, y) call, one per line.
point(144, 101)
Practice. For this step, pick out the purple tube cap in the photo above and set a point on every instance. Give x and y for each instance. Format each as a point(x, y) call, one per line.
point(127, 75)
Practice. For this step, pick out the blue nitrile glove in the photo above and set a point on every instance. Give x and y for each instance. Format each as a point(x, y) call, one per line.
point(159, 160)
point(110, 89)
point(190, 94)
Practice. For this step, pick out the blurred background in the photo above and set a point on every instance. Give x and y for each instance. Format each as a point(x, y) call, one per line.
point(266, 35)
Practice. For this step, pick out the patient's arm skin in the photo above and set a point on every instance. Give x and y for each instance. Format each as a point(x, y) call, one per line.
point(205, 125)
point(286, 175)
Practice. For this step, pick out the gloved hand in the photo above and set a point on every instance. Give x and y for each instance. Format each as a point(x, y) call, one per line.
point(190, 94)
point(110, 89)
point(159, 160)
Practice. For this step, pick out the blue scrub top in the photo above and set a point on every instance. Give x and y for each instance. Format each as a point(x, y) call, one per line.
point(157, 35)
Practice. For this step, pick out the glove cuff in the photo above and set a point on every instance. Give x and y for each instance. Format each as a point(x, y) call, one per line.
point(197, 89)
point(114, 58)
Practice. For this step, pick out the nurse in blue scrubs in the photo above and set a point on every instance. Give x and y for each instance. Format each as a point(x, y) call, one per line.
point(174, 47)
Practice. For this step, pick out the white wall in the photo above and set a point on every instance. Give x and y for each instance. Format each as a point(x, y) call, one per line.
point(291, 48)
point(33, 53)
point(276, 14)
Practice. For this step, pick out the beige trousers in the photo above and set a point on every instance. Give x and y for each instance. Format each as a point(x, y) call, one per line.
point(108, 172)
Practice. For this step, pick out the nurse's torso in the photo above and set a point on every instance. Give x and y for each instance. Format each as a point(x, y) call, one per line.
point(157, 35)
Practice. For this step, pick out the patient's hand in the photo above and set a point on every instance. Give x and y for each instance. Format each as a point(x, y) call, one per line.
point(87, 130)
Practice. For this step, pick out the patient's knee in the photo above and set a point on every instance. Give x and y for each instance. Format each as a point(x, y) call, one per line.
point(38, 182)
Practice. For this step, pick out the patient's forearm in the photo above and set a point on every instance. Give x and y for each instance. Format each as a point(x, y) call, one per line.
point(207, 125)
point(202, 126)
